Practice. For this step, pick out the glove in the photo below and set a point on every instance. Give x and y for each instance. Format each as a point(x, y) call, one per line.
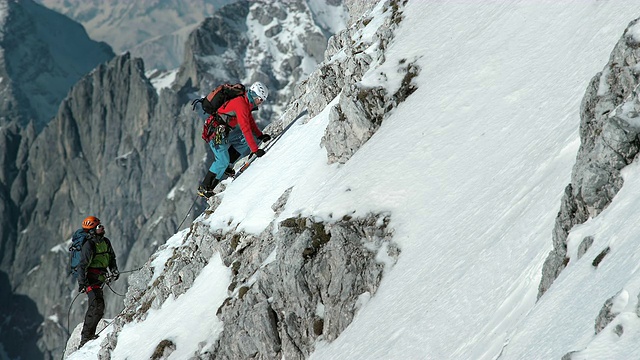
point(82, 288)
point(264, 137)
point(115, 275)
point(259, 153)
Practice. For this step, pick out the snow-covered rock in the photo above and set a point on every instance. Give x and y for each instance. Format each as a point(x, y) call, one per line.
point(609, 129)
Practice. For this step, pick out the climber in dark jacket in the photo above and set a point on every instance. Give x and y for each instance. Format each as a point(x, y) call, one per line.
point(97, 256)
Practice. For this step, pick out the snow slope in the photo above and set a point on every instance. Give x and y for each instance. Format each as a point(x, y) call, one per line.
point(471, 168)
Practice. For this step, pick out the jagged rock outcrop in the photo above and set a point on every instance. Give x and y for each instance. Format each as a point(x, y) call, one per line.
point(609, 129)
point(357, 8)
point(606, 314)
point(279, 281)
point(360, 109)
point(118, 146)
point(613, 307)
point(38, 66)
point(254, 41)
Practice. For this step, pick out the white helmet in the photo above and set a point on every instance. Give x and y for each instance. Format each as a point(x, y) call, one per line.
point(260, 89)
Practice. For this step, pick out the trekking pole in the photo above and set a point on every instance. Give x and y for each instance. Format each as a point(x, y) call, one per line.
point(128, 271)
point(188, 212)
point(109, 323)
point(272, 142)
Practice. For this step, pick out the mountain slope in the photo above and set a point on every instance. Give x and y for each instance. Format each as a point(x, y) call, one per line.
point(43, 55)
point(135, 26)
point(465, 176)
point(117, 148)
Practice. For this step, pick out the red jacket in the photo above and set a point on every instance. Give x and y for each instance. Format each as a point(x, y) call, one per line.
point(238, 111)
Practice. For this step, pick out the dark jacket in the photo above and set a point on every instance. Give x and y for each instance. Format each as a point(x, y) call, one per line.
point(96, 257)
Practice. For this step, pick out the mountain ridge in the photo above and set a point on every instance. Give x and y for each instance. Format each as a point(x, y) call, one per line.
point(119, 142)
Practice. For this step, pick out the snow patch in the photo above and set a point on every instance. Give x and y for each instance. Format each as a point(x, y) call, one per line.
point(165, 253)
point(172, 194)
point(187, 320)
point(634, 32)
point(124, 156)
point(63, 247)
point(161, 79)
point(271, 258)
point(33, 269)
point(332, 18)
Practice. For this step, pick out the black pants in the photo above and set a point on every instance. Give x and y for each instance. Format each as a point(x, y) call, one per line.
point(94, 313)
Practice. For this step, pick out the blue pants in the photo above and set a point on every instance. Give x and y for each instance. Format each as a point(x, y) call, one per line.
point(221, 151)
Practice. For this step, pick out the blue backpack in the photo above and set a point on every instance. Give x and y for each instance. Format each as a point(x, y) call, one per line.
point(77, 240)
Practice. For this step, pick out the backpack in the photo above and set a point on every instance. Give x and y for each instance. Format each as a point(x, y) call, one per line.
point(217, 97)
point(215, 128)
point(75, 250)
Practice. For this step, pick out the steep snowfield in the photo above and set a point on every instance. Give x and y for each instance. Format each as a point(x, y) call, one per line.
point(471, 169)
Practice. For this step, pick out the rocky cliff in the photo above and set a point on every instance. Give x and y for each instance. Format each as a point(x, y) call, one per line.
point(609, 130)
point(276, 43)
point(43, 54)
point(300, 281)
point(126, 152)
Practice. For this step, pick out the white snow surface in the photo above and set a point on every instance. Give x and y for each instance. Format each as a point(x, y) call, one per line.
point(165, 253)
point(332, 18)
point(471, 169)
point(192, 318)
point(164, 80)
point(634, 32)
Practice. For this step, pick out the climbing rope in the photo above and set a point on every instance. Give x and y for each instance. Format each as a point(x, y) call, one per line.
point(188, 212)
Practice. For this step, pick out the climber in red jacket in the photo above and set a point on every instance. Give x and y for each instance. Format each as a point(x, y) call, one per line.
point(242, 136)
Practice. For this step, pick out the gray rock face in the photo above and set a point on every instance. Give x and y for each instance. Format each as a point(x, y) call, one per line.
point(231, 46)
point(609, 129)
point(606, 315)
point(357, 8)
point(38, 66)
point(116, 149)
point(310, 290)
point(299, 281)
point(320, 266)
point(113, 136)
point(360, 110)
point(584, 246)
